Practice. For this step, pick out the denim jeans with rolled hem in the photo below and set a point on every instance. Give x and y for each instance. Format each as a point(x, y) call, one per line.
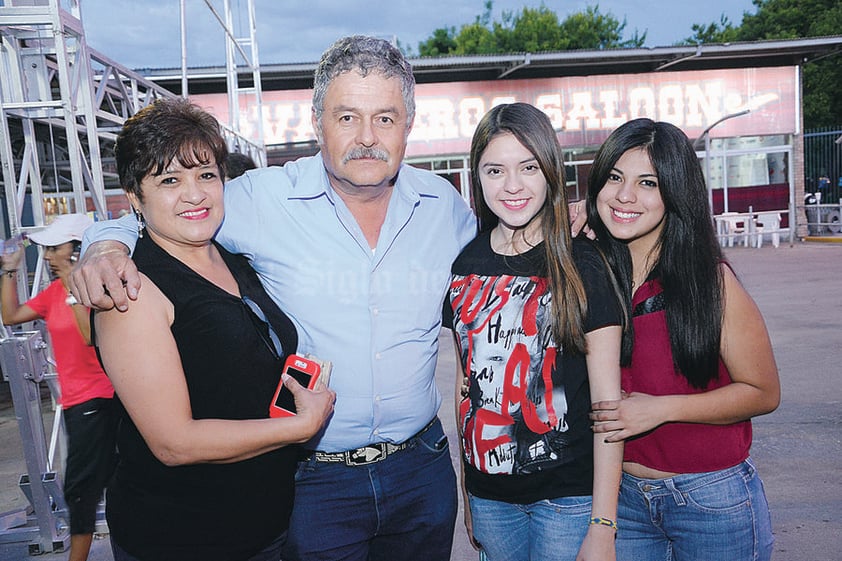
point(715, 516)
point(402, 508)
point(546, 530)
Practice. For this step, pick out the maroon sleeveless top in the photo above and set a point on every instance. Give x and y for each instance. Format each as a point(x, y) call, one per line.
point(674, 447)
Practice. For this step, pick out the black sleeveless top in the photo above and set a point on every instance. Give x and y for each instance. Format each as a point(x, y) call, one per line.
point(208, 511)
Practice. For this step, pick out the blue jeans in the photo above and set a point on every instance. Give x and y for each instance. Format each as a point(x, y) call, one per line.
point(402, 508)
point(720, 515)
point(547, 530)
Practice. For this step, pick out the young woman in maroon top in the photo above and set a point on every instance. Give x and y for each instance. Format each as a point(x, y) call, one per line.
point(697, 365)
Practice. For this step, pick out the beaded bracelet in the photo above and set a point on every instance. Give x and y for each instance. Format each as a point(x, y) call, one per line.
point(599, 521)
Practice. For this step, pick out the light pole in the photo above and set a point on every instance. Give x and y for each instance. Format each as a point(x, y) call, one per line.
point(706, 136)
point(183, 24)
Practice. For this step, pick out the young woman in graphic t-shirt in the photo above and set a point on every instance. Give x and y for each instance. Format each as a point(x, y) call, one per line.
point(537, 328)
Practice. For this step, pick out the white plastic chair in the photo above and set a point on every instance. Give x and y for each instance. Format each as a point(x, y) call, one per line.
point(768, 222)
point(730, 225)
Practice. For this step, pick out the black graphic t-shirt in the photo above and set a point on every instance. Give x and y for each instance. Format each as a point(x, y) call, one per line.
point(526, 432)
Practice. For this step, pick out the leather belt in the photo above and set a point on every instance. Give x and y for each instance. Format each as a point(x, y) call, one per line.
point(364, 456)
point(369, 454)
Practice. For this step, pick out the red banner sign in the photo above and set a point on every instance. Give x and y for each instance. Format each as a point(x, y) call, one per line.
point(583, 109)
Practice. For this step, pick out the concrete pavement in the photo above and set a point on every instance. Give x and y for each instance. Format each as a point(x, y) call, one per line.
point(798, 448)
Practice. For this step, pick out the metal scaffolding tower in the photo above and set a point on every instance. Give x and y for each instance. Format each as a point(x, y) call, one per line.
point(61, 106)
point(241, 53)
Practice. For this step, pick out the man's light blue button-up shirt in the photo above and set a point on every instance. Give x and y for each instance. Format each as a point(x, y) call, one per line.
point(375, 314)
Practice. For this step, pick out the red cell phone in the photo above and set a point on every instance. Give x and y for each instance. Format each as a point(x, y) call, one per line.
point(306, 371)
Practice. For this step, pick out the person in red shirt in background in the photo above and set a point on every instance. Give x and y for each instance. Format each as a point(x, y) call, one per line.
point(86, 392)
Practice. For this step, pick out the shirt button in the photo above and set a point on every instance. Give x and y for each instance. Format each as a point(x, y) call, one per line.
point(375, 312)
point(376, 432)
point(377, 398)
point(377, 356)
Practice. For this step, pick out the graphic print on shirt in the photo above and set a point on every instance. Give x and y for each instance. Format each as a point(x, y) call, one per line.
point(514, 418)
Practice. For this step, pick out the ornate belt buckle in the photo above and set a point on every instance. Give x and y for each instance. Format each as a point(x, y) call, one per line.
point(366, 455)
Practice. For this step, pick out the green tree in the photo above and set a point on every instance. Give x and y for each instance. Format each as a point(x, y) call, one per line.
point(531, 30)
point(593, 30)
point(534, 30)
point(722, 32)
point(441, 42)
point(791, 19)
point(475, 39)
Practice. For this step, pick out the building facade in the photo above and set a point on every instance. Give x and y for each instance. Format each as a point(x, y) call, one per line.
point(741, 103)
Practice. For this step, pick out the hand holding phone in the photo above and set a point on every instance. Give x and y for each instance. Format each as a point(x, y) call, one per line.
point(307, 371)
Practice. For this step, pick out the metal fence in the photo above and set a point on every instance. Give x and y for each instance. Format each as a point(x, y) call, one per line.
point(823, 219)
point(823, 180)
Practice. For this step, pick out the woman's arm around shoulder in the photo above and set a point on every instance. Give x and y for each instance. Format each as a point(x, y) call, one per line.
point(153, 389)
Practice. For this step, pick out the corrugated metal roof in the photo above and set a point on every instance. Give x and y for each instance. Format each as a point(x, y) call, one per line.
point(787, 52)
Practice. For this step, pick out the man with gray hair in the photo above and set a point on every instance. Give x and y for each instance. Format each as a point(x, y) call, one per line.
point(356, 247)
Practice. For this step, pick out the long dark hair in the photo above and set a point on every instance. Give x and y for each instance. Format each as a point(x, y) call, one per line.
point(532, 128)
point(687, 257)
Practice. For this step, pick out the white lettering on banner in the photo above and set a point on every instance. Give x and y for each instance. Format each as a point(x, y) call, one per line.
point(641, 103)
point(700, 110)
point(610, 100)
point(435, 119)
point(551, 105)
point(500, 100)
point(471, 110)
point(582, 110)
point(449, 113)
point(671, 104)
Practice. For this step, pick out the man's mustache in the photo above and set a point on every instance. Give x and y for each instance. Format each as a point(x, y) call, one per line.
point(366, 153)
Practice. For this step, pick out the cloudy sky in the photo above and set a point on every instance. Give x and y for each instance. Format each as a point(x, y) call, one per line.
point(146, 33)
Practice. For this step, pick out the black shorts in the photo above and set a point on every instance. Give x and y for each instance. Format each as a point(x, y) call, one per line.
point(91, 429)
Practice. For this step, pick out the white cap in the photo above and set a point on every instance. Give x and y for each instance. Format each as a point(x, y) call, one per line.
point(65, 228)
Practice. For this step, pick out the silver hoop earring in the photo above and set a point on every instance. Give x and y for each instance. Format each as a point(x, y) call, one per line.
point(141, 225)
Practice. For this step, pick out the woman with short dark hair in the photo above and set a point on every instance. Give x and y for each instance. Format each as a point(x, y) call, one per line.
point(204, 474)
